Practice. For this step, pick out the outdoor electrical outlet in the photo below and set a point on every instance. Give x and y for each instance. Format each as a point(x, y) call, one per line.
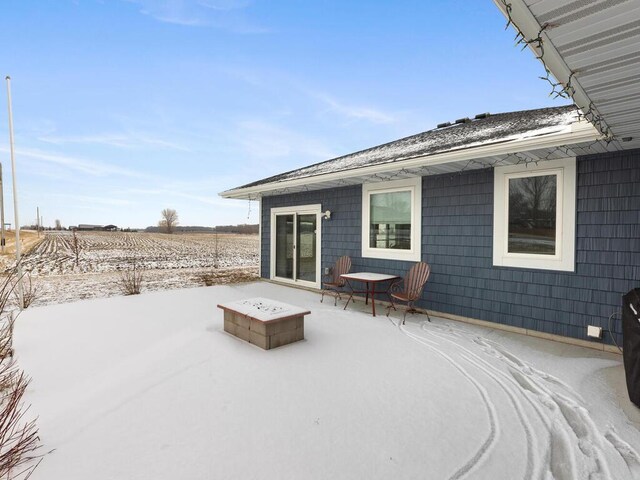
point(594, 332)
point(327, 270)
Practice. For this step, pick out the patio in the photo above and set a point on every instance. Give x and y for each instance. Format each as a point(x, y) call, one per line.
point(151, 386)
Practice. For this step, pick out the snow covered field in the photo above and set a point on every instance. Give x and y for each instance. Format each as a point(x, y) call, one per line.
point(169, 261)
point(150, 386)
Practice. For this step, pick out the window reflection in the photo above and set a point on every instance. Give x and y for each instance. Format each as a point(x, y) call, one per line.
point(390, 220)
point(532, 215)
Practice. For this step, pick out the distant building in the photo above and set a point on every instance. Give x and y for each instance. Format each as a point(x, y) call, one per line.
point(110, 228)
point(87, 227)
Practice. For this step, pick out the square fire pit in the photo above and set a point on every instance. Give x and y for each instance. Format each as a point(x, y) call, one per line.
point(264, 322)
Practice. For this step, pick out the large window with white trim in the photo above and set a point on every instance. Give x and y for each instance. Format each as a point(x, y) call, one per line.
point(391, 216)
point(534, 215)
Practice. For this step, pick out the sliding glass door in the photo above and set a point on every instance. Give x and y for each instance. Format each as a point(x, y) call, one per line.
point(306, 247)
point(295, 244)
point(285, 246)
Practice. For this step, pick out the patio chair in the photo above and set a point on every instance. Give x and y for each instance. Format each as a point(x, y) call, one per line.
point(334, 281)
point(410, 289)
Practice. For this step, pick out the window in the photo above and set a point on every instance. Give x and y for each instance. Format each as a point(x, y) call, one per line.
point(534, 215)
point(391, 219)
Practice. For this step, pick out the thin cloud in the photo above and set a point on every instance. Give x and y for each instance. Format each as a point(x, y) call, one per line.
point(369, 114)
point(264, 140)
point(168, 193)
point(223, 14)
point(119, 140)
point(223, 5)
point(91, 200)
point(89, 167)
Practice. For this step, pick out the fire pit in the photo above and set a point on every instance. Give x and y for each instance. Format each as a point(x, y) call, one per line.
point(264, 322)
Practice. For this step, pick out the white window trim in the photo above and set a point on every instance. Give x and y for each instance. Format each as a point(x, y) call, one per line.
point(564, 259)
point(299, 210)
point(414, 186)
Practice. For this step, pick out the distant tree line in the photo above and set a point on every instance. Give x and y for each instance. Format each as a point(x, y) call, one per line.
point(244, 229)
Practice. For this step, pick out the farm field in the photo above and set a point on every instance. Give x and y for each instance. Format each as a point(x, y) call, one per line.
point(167, 262)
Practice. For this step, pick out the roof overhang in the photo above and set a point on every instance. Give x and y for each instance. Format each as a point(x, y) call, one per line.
point(579, 138)
point(591, 48)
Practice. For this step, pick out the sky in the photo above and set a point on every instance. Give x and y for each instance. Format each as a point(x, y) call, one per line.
point(122, 108)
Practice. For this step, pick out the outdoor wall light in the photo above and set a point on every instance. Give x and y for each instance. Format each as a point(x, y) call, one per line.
point(327, 215)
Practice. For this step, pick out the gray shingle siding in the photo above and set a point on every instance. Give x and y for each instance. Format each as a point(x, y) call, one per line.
point(457, 232)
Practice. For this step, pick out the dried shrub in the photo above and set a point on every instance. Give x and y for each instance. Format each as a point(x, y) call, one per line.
point(7, 319)
point(7, 285)
point(131, 279)
point(220, 277)
point(6, 337)
point(19, 440)
point(30, 290)
point(76, 248)
point(208, 278)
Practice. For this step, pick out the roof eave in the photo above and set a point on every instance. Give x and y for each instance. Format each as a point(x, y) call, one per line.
point(578, 132)
point(531, 28)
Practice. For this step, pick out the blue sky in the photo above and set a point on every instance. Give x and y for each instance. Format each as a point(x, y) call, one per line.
point(125, 107)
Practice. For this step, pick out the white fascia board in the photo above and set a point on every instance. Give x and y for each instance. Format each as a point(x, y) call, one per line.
point(529, 25)
point(579, 132)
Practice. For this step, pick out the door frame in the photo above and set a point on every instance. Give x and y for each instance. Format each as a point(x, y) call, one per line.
point(296, 210)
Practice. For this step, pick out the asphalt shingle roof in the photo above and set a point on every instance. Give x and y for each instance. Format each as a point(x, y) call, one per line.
point(496, 128)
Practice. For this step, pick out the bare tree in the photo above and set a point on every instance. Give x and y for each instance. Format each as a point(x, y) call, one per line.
point(169, 220)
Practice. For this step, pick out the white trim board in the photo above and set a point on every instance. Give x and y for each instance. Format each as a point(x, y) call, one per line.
point(564, 259)
point(297, 210)
point(413, 185)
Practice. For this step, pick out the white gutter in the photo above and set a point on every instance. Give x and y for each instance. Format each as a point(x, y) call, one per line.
point(577, 133)
point(530, 27)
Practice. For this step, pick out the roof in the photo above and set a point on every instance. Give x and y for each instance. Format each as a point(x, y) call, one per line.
point(591, 48)
point(501, 133)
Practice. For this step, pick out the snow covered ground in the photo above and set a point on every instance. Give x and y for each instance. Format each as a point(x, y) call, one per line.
point(151, 387)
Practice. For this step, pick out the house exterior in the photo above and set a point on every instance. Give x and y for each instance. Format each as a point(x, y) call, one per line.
point(530, 220)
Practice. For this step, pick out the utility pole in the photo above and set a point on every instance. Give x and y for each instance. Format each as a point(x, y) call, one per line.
point(15, 200)
point(38, 220)
point(2, 239)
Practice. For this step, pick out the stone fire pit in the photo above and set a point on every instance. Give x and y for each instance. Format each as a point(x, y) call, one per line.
point(264, 322)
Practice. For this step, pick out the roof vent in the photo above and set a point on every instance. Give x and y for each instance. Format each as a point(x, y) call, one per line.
point(482, 115)
point(463, 120)
point(442, 125)
point(626, 139)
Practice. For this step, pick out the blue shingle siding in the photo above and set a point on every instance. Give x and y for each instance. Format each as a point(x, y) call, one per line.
point(458, 238)
point(457, 233)
point(340, 234)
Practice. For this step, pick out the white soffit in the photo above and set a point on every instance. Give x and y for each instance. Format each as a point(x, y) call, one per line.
point(597, 43)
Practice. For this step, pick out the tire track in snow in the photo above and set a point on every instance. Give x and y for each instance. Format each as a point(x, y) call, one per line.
point(577, 448)
point(532, 463)
point(583, 450)
point(494, 429)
